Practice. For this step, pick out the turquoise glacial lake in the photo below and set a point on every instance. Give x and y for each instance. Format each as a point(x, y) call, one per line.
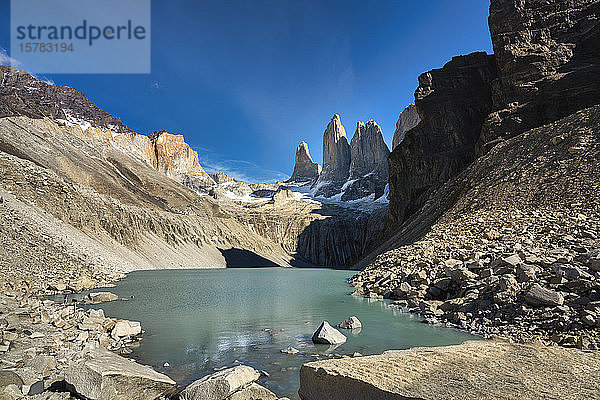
point(201, 320)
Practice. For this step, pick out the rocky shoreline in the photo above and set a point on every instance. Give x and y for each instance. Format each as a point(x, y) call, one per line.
point(515, 256)
point(53, 350)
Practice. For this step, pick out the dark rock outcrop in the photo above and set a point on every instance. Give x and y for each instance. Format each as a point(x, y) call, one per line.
point(305, 169)
point(548, 56)
point(24, 95)
point(336, 159)
point(408, 119)
point(453, 102)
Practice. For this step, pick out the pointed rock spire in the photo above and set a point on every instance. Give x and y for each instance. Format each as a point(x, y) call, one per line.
point(336, 151)
point(368, 152)
point(408, 119)
point(305, 169)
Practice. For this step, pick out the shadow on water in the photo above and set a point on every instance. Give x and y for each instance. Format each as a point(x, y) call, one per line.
point(240, 258)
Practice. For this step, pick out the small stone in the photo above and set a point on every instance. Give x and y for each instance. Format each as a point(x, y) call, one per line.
point(290, 350)
point(350, 323)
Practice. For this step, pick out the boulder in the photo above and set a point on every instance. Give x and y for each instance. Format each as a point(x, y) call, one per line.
point(126, 328)
point(101, 297)
point(10, 378)
point(456, 372)
point(253, 392)
point(290, 350)
point(33, 382)
point(350, 323)
point(540, 296)
point(103, 375)
point(327, 334)
point(221, 385)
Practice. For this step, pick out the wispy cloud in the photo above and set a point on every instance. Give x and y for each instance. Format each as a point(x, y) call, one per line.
point(241, 170)
point(5, 59)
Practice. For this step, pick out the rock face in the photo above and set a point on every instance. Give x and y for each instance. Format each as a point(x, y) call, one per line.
point(106, 376)
point(305, 169)
point(22, 94)
point(174, 156)
point(453, 103)
point(368, 151)
point(547, 52)
point(237, 383)
point(336, 158)
point(368, 165)
point(327, 334)
point(408, 119)
point(455, 372)
point(221, 177)
point(546, 67)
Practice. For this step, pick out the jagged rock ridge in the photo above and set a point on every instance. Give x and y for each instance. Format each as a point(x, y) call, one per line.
point(305, 169)
point(408, 119)
point(353, 171)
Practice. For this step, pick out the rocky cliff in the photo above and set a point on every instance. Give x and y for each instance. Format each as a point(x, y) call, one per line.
point(548, 57)
point(22, 94)
point(174, 156)
point(408, 119)
point(305, 169)
point(368, 151)
point(453, 102)
point(503, 218)
point(368, 165)
point(546, 66)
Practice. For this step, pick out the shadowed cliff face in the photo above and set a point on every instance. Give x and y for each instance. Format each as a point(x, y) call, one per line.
point(408, 119)
point(548, 55)
point(546, 66)
point(453, 103)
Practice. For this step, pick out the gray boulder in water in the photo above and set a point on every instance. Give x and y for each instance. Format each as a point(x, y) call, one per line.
point(350, 323)
point(327, 334)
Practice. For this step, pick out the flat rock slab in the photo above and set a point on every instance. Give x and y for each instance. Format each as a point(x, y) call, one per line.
point(472, 371)
point(107, 376)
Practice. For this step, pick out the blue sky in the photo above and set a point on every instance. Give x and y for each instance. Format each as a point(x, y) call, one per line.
point(246, 81)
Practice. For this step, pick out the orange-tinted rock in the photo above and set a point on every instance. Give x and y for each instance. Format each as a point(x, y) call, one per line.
point(174, 156)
